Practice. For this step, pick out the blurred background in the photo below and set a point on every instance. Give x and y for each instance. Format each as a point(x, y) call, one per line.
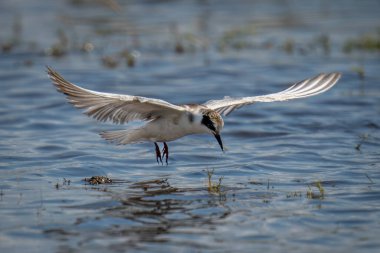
point(297, 176)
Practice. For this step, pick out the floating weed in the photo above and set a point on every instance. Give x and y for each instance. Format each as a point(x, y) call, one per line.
point(310, 194)
point(320, 188)
point(131, 61)
point(186, 42)
point(7, 47)
point(56, 50)
point(237, 38)
point(288, 46)
point(360, 71)
point(110, 62)
point(155, 187)
point(129, 57)
point(161, 182)
point(255, 182)
point(98, 180)
point(214, 187)
point(364, 43)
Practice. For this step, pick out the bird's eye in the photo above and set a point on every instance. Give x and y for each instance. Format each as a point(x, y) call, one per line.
point(208, 123)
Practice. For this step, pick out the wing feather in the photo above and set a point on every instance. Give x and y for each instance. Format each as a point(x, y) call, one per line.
point(112, 107)
point(305, 88)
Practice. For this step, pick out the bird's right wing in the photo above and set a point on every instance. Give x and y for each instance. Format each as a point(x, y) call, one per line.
point(306, 88)
point(113, 107)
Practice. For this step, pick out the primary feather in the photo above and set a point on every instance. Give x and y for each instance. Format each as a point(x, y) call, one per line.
point(306, 88)
point(113, 107)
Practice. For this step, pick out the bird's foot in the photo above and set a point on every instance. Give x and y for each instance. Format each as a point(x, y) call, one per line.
point(165, 152)
point(158, 154)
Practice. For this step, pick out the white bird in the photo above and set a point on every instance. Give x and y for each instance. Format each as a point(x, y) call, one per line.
point(167, 122)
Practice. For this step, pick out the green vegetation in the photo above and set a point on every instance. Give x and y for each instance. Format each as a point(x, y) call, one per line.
point(360, 71)
point(213, 187)
point(367, 42)
point(98, 180)
point(310, 194)
point(288, 46)
point(237, 38)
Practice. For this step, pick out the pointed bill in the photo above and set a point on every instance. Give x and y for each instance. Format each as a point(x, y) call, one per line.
point(217, 137)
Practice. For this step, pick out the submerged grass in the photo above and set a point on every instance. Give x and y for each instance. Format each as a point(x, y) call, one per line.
point(213, 187)
point(360, 71)
point(368, 42)
point(98, 180)
point(310, 194)
point(237, 38)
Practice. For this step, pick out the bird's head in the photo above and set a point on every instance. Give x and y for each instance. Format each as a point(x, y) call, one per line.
point(214, 124)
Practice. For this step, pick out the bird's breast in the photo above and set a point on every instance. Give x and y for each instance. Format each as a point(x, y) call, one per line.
point(168, 129)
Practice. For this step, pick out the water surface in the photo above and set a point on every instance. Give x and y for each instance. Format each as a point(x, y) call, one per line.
point(191, 51)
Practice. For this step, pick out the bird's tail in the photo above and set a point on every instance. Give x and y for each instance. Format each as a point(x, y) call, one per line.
point(122, 137)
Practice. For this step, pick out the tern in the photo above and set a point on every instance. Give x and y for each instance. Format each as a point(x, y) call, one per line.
point(167, 122)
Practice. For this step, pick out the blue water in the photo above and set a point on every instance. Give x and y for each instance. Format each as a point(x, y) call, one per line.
point(191, 51)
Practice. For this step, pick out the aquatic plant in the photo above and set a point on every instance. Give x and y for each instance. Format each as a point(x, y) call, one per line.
point(213, 187)
point(237, 38)
point(98, 180)
point(310, 194)
point(360, 71)
point(367, 42)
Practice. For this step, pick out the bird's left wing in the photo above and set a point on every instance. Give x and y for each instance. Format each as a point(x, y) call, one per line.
point(306, 88)
point(113, 107)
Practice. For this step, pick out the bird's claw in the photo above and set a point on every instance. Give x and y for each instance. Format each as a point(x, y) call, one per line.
point(158, 154)
point(165, 152)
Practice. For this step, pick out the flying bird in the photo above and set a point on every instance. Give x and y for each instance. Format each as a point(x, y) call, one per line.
point(167, 122)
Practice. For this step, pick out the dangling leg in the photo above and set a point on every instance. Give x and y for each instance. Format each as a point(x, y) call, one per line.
point(158, 153)
point(165, 152)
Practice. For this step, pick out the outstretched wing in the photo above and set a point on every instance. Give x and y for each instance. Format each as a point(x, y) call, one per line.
point(112, 107)
point(305, 88)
